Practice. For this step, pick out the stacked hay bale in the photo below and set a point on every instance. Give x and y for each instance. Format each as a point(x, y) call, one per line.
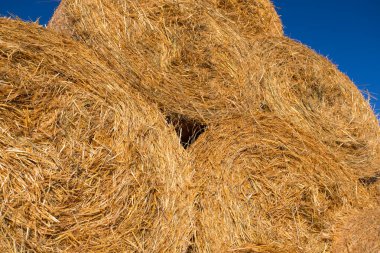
point(206, 60)
point(85, 164)
point(287, 137)
point(265, 180)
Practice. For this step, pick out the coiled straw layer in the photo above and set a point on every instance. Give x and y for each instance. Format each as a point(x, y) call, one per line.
point(265, 181)
point(85, 164)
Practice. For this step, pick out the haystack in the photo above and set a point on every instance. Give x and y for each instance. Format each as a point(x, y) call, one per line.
point(85, 164)
point(292, 80)
point(358, 233)
point(184, 55)
point(265, 181)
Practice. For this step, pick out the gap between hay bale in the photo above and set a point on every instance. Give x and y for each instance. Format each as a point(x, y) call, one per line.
point(187, 130)
point(86, 165)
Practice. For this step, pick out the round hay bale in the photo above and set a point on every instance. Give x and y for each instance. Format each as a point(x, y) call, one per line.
point(252, 17)
point(358, 233)
point(265, 181)
point(183, 55)
point(85, 164)
point(306, 88)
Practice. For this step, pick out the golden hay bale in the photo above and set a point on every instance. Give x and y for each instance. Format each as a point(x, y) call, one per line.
point(307, 89)
point(265, 181)
point(187, 57)
point(85, 165)
point(184, 55)
point(358, 233)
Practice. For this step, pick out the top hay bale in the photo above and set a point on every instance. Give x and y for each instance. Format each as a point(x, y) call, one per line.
point(85, 164)
point(265, 181)
point(184, 55)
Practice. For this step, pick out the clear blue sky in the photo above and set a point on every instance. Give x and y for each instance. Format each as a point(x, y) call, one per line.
point(347, 32)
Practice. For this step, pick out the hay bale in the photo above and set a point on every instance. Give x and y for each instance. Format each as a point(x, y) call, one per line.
point(184, 55)
point(358, 232)
point(265, 181)
point(292, 80)
point(85, 164)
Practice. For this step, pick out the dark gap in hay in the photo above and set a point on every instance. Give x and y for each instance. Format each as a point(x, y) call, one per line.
point(188, 130)
point(367, 181)
point(191, 248)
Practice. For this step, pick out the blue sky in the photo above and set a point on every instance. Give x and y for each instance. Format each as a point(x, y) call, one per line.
point(347, 32)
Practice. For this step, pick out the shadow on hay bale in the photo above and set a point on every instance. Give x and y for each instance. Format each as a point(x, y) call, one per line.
point(358, 233)
point(85, 164)
point(265, 180)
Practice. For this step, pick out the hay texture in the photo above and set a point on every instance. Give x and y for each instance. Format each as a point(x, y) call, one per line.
point(85, 164)
point(292, 80)
point(184, 55)
point(358, 233)
point(267, 182)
